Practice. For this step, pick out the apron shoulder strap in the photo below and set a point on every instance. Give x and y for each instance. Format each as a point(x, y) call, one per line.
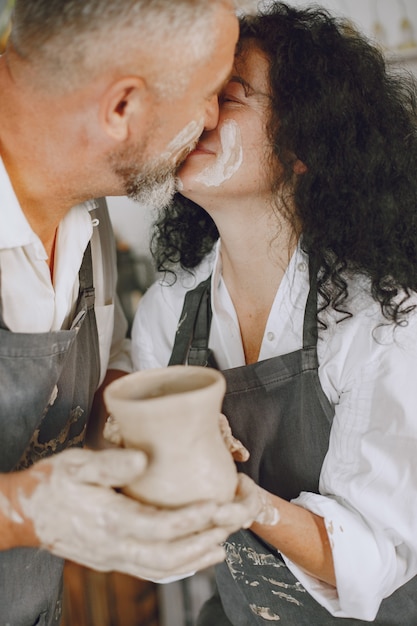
point(85, 276)
point(310, 330)
point(193, 330)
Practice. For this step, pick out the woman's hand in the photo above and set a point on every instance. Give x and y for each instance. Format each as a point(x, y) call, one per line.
point(235, 447)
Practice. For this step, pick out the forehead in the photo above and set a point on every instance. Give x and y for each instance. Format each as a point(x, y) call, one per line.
point(199, 68)
point(252, 66)
point(220, 62)
point(207, 77)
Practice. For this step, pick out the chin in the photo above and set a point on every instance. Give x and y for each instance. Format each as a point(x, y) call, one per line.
point(200, 198)
point(187, 179)
point(186, 192)
point(184, 185)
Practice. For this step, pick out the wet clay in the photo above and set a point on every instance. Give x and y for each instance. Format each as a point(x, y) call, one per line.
point(186, 139)
point(228, 160)
point(172, 414)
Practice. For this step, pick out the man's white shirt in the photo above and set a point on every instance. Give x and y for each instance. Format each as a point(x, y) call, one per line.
point(31, 302)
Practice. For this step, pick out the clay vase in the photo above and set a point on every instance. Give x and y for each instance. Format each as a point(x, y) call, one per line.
point(172, 414)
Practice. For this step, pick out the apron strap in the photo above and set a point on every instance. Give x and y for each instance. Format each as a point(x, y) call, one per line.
point(310, 330)
point(191, 338)
point(85, 275)
point(86, 280)
point(193, 331)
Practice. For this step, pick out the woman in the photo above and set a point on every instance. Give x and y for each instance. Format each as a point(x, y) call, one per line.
point(295, 240)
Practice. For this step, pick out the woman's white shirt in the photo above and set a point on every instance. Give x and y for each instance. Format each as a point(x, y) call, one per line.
point(367, 369)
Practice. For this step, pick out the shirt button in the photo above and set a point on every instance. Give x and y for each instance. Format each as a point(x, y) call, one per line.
point(270, 336)
point(302, 267)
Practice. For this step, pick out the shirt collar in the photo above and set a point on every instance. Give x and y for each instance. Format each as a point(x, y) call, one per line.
point(15, 230)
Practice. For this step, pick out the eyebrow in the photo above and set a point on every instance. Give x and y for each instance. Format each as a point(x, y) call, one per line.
point(241, 81)
point(247, 87)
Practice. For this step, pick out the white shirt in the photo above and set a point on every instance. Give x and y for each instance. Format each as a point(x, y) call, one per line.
point(32, 303)
point(368, 482)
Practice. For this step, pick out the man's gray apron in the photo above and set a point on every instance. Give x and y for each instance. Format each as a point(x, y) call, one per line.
point(47, 383)
point(279, 411)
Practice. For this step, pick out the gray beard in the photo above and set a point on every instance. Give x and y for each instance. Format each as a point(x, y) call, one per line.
point(154, 190)
point(152, 184)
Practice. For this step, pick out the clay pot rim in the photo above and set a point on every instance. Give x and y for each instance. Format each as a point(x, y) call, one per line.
point(117, 388)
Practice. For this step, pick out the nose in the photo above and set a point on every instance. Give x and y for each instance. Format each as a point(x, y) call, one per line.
point(212, 113)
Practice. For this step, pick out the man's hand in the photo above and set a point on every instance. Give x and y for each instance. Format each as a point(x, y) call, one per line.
point(71, 504)
point(251, 502)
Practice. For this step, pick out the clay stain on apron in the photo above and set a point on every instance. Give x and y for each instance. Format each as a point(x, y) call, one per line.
point(264, 612)
point(239, 556)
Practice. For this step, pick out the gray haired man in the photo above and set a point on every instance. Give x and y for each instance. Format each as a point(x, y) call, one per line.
point(98, 98)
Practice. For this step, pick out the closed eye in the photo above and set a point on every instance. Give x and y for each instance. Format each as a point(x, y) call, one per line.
point(226, 98)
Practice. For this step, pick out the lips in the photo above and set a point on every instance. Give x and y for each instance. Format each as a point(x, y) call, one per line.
point(201, 149)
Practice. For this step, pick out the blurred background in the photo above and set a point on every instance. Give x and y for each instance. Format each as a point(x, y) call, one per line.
point(96, 599)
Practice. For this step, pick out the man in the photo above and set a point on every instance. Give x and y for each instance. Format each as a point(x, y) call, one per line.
point(98, 97)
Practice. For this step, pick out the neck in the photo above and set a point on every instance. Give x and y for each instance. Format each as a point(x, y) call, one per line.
point(256, 250)
point(41, 203)
point(256, 241)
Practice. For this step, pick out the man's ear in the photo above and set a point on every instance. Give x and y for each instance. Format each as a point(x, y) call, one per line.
point(124, 103)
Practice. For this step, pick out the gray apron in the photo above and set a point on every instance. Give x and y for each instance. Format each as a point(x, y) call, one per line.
point(279, 411)
point(47, 384)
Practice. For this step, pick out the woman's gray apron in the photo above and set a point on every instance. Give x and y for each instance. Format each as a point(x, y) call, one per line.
point(47, 383)
point(279, 411)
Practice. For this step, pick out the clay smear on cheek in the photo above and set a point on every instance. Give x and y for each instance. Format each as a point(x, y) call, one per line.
point(228, 160)
point(188, 136)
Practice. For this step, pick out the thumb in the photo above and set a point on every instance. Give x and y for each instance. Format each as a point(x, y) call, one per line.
point(235, 446)
point(112, 432)
point(108, 468)
point(266, 511)
point(251, 504)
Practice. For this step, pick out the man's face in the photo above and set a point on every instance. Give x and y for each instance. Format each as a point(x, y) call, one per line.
point(147, 166)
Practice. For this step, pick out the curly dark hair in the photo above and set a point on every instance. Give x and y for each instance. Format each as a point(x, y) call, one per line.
point(352, 120)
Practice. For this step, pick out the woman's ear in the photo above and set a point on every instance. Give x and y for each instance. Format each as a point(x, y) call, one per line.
point(299, 167)
point(124, 104)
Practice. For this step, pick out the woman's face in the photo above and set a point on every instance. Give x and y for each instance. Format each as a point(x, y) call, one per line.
point(233, 159)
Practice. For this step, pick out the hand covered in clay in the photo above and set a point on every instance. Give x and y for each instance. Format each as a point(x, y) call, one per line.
point(235, 447)
point(112, 433)
point(250, 496)
point(77, 514)
point(251, 504)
